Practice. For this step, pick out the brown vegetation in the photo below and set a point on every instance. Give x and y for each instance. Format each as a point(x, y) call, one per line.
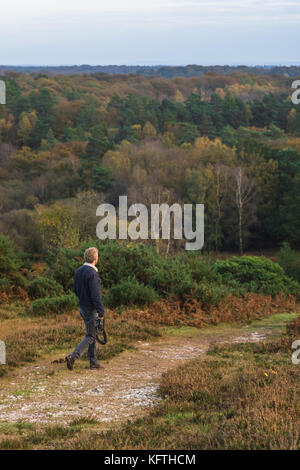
point(232, 309)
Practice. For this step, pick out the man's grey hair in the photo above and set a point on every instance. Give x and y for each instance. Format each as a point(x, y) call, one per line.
point(90, 254)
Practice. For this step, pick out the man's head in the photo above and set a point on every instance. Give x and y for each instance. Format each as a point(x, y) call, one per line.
point(91, 255)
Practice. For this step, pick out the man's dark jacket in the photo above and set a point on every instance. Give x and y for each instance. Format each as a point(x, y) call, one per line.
point(88, 290)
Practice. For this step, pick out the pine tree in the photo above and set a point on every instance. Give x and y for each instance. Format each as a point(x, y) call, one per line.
point(98, 144)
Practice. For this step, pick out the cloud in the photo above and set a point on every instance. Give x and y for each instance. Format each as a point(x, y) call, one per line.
point(14, 10)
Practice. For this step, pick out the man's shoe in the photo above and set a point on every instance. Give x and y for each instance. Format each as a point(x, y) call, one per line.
point(70, 362)
point(96, 366)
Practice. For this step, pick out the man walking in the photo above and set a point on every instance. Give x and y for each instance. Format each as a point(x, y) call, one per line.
point(88, 291)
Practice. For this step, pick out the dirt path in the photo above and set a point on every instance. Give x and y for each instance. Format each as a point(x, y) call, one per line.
point(49, 393)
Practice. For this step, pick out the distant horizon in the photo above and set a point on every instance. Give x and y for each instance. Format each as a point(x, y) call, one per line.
point(154, 64)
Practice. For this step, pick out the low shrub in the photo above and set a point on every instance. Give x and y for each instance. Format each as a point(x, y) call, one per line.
point(62, 264)
point(118, 261)
point(200, 266)
point(211, 294)
point(44, 287)
point(130, 292)
point(5, 283)
point(257, 274)
point(48, 305)
point(171, 276)
point(11, 263)
point(230, 309)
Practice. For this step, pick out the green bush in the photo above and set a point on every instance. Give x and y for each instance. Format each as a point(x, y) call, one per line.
point(289, 260)
point(62, 263)
point(4, 283)
point(235, 288)
point(119, 261)
point(200, 266)
point(256, 274)
point(44, 287)
point(136, 274)
point(130, 292)
point(10, 264)
point(61, 304)
point(116, 262)
point(211, 294)
point(185, 287)
point(170, 276)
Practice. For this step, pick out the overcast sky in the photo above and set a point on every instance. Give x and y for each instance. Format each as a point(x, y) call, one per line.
point(149, 32)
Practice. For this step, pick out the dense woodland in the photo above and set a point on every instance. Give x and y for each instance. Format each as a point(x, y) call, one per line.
point(167, 71)
point(70, 142)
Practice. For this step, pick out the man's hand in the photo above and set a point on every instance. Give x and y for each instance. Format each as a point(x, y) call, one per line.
point(99, 323)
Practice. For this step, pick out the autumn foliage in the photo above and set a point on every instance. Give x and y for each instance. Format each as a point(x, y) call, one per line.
point(231, 309)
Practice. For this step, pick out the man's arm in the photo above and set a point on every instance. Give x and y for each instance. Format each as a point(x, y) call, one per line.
point(95, 293)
